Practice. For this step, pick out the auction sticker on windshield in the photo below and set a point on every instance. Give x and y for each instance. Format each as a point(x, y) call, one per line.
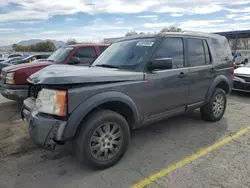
point(145, 43)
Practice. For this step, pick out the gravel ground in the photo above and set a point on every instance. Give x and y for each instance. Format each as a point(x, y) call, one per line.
point(13, 131)
point(152, 148)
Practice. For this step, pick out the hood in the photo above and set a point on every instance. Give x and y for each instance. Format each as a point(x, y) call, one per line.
point(242, 70)
point(27, 66)
point(68, 74)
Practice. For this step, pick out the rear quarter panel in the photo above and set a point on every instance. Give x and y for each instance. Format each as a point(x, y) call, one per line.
point(222, 58)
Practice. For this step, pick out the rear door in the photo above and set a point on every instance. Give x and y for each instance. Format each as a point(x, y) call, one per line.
point(87, 55)
point(201, 69)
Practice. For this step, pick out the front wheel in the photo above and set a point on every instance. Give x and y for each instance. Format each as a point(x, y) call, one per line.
point(215, 109)
point(102, 139)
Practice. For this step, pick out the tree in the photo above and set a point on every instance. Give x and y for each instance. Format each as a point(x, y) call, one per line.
point(71, 41)
point(170, 29)
point(131, 33)
point(14, 46)
point(47, 46)
point(141, 33)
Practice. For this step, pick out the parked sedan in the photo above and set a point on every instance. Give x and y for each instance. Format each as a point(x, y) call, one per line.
point(242, 78)
point(31, 58)
point(8, 62)
point(15, 55)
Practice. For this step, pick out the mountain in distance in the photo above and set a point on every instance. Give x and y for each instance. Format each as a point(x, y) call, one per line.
point(34, 41)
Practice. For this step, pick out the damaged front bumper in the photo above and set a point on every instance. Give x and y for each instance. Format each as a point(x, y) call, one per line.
point(44, 130)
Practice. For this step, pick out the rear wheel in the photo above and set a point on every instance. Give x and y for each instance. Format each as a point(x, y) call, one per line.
point(103, 139)
point(215, 109)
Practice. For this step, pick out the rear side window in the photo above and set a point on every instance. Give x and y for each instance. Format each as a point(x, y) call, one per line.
point(223, 51)
point(103, 48)
point(172, 48)
point(196, 53)
point(86, 54)
point(207, 52)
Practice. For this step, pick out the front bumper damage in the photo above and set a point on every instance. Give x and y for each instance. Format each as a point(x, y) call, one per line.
point(44, 130)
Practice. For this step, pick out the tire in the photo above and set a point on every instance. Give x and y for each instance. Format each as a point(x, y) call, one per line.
point(88, 138)
point(207, 111)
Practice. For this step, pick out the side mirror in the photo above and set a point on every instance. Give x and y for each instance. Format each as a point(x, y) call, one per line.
point(160, 64)
point(74, 60)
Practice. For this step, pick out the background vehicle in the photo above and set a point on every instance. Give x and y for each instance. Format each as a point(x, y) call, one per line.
point(136, 81)
point(240, 59)
point(15, 55)
point(31, 58)
point(242, 78)
point(14, 83)
point(3, 59)
point(8, 62)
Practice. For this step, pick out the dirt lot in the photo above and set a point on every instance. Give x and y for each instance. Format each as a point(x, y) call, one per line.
point(13, 131)
point(152, 149)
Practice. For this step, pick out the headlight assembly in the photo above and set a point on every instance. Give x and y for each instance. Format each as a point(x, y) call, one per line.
point(52, 102)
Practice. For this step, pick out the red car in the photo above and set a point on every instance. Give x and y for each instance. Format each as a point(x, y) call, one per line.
point(13, 83)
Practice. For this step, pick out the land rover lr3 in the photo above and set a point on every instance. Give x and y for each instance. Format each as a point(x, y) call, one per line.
point(137, 81)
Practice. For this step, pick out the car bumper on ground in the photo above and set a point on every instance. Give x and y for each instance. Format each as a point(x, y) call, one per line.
point(241, 85)
point(44, 130)
point(14, 92)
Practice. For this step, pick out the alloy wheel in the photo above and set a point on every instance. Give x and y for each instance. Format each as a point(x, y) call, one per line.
point(106, 141)
point(218, 105)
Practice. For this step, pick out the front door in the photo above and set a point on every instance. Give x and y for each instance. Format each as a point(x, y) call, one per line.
point(167, 90)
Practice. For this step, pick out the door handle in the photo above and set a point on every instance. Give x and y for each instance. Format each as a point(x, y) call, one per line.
point(181, 75)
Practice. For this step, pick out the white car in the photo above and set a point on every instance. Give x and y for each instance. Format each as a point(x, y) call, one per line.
point(242, 78)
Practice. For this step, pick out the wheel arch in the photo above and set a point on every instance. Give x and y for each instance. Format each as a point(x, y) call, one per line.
point(219, 82)
point(115, 101)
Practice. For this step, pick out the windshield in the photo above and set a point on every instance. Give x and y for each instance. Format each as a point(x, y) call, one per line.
point(126, 54)
point(60, 55)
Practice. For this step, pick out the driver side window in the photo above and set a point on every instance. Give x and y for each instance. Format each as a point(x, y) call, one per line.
point(86, 54)
point(172, 47)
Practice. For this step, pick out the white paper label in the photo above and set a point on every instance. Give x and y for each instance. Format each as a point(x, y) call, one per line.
point(145, 44)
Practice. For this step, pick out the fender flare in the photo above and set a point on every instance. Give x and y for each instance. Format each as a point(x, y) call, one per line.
point(86, 106)
point(217, 80)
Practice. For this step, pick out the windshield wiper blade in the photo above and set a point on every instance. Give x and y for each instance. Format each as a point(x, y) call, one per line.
point(50, 60)
point(107, 66)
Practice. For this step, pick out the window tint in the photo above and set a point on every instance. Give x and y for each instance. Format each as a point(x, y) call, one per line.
point(172, 48)
point(102, 48)
point(86, 54)
point(196, 54)
point(207, 52)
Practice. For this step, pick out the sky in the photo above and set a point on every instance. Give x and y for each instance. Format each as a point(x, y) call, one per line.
point(93, 20)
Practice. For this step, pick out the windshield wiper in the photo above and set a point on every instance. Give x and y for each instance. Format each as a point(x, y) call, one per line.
point(50, 60)
point(107, 66)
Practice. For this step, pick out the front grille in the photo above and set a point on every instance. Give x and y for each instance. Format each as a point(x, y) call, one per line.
point(34, 90)
point(241, 86)
point(3, 77)
point(246, 78)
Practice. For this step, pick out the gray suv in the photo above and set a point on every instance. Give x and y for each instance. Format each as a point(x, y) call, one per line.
point(137, 81)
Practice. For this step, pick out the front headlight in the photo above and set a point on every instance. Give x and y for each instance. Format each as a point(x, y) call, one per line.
point(52, 102)
point(10, 78)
